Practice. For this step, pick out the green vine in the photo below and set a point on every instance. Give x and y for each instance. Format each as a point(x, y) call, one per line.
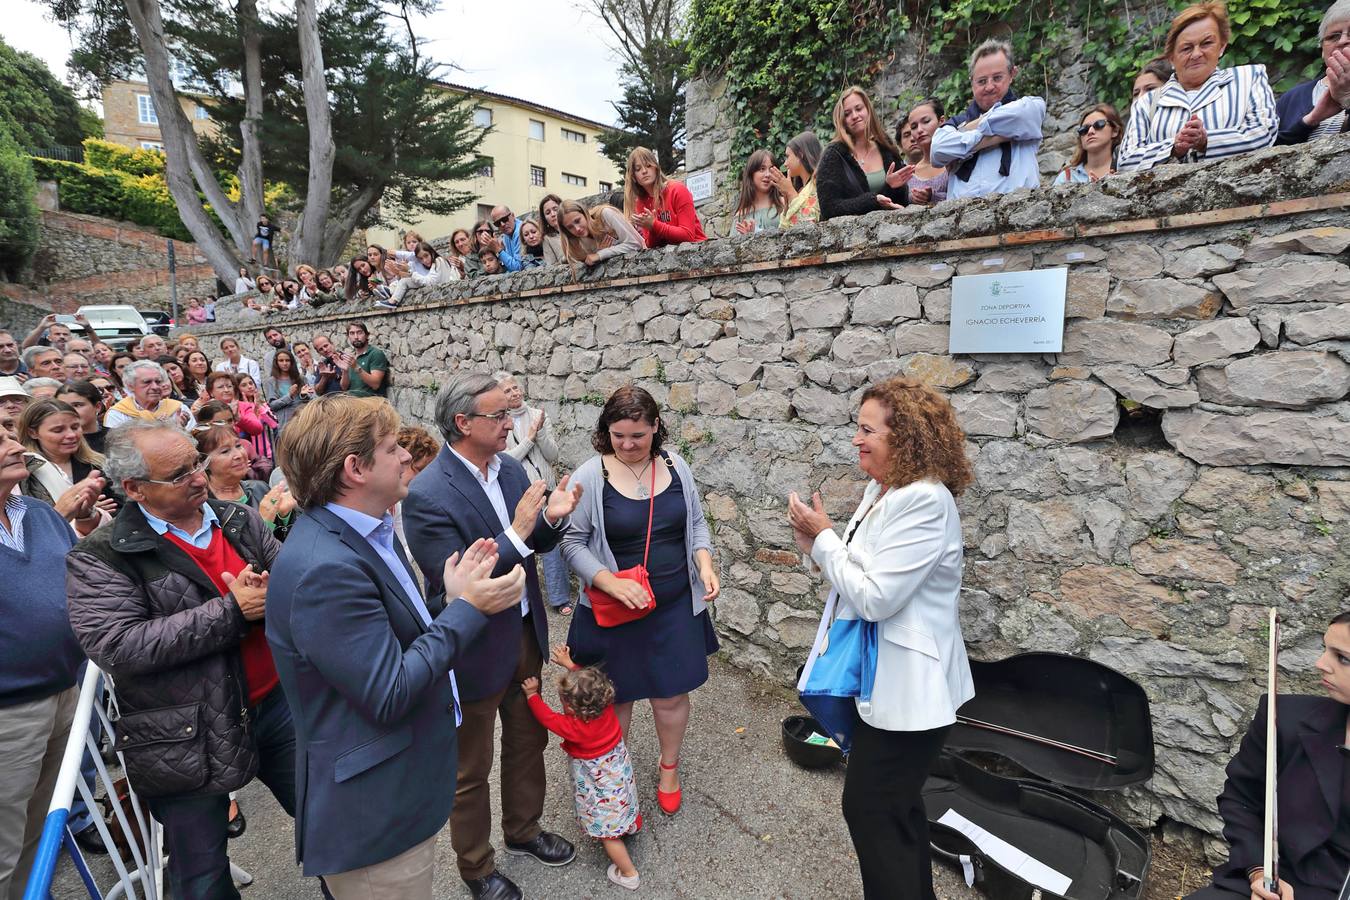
point(785, 62)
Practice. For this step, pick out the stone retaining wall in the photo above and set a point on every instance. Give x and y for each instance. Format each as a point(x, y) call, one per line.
point(1139, 499)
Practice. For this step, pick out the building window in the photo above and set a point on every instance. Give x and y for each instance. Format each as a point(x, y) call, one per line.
point(574, 180)
point(536, 130)
point(485, 212)
point(606, 187)
point(484, 167)
point(152, 145)
point(482, 117)
point(537, 176)
point(145, 110)
point(574, 136)
point(201, 113)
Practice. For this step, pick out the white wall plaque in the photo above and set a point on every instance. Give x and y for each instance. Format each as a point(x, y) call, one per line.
point(1011, 312)
point(700, 184)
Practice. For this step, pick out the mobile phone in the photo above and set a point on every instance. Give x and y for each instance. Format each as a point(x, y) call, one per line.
point(64, 319)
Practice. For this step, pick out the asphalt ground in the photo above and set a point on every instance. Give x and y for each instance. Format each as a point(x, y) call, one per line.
point(753, 824)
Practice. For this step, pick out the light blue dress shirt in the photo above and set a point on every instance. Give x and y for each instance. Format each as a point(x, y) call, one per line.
point(379, 533)
point(1020, 122)
point(492, 486)
point(201, 539)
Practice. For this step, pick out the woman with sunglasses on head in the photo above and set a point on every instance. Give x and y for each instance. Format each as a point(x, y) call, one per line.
point(1099, 135)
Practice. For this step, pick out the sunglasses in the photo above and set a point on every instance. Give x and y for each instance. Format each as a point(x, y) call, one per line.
point(1099, 125)
point(502, 220)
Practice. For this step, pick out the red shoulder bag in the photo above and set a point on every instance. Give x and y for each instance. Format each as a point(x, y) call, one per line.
point(610, 611)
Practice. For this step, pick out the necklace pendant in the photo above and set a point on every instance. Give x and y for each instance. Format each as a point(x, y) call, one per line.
point(642, 492)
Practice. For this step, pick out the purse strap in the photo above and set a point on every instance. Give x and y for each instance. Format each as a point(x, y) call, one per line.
point(651, 510)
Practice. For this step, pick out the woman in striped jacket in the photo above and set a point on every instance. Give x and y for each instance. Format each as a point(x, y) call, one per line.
point(1203, 111)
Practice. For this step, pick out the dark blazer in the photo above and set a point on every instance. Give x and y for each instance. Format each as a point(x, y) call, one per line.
point(842, 187)
point(1310, 773)
point(369, 688)
point(1292, 106)
point(445, 511)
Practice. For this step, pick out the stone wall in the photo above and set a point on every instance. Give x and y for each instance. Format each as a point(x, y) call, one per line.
point(88, 260)
point(1139, 499)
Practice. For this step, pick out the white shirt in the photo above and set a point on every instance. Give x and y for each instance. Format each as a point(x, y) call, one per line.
point(246, 366)
point(1019, 121)
point(115, 417)
point(492, 486)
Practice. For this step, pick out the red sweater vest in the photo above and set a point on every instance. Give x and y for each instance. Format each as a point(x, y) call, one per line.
point(260, 673)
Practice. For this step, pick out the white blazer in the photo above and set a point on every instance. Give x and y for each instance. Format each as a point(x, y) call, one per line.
point(902, 570)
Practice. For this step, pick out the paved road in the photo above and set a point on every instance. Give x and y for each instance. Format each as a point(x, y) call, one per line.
point(753, 825)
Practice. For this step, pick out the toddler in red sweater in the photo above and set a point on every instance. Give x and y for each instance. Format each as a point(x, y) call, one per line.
point(602, 775)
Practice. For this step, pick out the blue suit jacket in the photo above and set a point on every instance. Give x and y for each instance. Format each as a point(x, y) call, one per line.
point(369, 688)
point(445, 511)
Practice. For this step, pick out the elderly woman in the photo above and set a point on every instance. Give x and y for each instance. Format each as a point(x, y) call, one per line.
point(898, 564)
point(531, 443)
point(227, 478)
point(147, 386)
point(1317, 109)
point(1203, 111)
point(639, 503)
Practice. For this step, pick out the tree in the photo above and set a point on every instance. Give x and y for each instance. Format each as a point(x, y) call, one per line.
point(648, 37)
point(19, 216)
point(275, 83)
point(39, 111)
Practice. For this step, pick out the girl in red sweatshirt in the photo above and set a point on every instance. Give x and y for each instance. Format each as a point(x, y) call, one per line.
point(602, 775)
point(663, 211)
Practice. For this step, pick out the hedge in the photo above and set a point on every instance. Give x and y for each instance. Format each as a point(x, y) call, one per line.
point(85, 188)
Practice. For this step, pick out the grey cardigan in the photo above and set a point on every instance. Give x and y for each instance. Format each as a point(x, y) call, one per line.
point(584, 545)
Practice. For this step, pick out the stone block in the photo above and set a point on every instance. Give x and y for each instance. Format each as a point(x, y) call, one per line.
point(821, 407)
point(716, 398)
point(645, 308)
point(763, 319)
point(1301, 280)
point(1095, 342)
point(585, 361)
point(1072, 411)
point(937, 305)
point(1329, 240)
point(1153, 482)
point(1086, 470)
point(860, 347)
point(1163, 298)
point(781, 378)
point(1283, 437)
point(1333, 500)
point(1013, 466)
point(696, 332)
point(723, 350)
point(938, 371)
point(1048, 531)
point(1202, 262)
point(885, 304)
point(738, 371)
point(738, 610)
point(1291, 379)
point(994, 415)
point(1185, 560)
point(1224, 489)
point(1086, 297)
point(1012, 377)
point(1216, 340)
point(827, 310)
point(1327, 324)
point(920, 337)
point(1093, 592)
point(1134, 385)
point(1166, 659)
point(924, 275)
point(683, 397)
point(1133, 260)
point(762, 404)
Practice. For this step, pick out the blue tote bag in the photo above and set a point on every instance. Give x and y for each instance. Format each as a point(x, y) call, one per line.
point(841, 672)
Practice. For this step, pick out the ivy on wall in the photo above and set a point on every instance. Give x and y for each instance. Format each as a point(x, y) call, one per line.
point(785, 62)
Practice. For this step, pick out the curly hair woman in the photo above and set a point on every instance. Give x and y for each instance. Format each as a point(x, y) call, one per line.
point(898, 565)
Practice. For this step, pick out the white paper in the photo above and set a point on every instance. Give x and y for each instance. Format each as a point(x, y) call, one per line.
point(1006, 855)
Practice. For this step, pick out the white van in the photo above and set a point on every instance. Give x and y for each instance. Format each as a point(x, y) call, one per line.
point(116, 326)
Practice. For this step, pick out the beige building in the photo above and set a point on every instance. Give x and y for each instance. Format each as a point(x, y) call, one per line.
point(532, 150)
point(129, 116)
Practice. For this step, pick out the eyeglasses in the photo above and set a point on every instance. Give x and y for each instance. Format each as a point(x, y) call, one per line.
point(1334, 37)
point(502, 220)
point(183, 479)
point(496, 417)
point(1098, 125)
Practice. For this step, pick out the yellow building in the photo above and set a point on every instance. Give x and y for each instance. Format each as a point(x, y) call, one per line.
point(531, 150)
point(129, 116)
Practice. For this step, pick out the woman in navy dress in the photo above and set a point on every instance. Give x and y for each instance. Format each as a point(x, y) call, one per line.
point(663, 656)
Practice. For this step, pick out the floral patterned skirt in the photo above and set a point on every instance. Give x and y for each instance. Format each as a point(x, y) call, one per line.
point(605, 795)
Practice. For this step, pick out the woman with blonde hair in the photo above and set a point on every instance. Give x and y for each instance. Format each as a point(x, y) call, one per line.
point(463, 253)
point(63, 470)
point(1099, 134)
point(760, 204)
point(595, 236)
point(660, 209)
point(861, 170)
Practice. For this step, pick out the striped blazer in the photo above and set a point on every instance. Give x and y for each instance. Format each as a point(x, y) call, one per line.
point(1235, 105)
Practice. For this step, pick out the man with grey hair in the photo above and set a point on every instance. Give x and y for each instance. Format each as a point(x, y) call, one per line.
point(41, 388)
point(1317, 109)
point(43, 362)
point(474, 490)
point(169, 600)
point(992, 145)
point(148, 398)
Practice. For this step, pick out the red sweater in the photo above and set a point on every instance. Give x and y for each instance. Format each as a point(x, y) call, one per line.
point(581, 740)
point(260, 673)
point(676, 221)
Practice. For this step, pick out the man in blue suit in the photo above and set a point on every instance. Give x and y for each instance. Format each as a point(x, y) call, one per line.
point(365, 662)
point(474, 491)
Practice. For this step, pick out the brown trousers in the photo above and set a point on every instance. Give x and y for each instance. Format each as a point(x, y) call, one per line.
point(522, 771)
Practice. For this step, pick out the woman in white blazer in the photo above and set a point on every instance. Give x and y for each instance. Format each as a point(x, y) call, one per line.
point(899, 565)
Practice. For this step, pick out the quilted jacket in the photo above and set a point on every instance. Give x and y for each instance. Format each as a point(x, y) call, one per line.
point(148, 616)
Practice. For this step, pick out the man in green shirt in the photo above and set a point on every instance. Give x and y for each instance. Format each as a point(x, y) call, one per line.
point(365, 368)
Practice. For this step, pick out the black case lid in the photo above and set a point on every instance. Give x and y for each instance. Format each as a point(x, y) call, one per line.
point(1066, 699)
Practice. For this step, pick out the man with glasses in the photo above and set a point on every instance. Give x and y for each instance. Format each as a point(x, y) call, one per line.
point(170, 600)
point(148, 398)
point(1317, 109)
point(473, 490)
point(507, 243)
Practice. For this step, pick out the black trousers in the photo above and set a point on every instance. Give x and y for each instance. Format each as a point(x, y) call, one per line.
point(884, 810)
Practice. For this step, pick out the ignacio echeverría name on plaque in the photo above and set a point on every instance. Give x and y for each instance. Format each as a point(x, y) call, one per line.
point(1011, 312)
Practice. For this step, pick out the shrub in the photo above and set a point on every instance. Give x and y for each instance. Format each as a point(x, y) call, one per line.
point(116, 193)
point(117, 158)
point(19, 215)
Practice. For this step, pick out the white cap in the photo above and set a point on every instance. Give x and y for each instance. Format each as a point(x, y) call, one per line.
point(10, 387)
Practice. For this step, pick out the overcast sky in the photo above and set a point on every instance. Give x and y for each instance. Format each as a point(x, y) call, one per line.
point(546, 51)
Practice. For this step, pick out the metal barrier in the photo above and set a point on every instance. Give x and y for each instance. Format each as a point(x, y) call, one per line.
point(143, 874)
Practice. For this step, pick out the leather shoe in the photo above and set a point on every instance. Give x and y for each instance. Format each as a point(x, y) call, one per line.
point(494, 887)
point(550, 849)
point(235, 827)
point(90, 840)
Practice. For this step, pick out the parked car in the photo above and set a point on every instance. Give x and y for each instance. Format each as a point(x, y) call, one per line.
point(116, 326)
point(161, 323)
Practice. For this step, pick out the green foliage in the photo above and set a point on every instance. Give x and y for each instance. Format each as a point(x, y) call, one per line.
point(118, 158)
point(39, 111)
point(116, 182)
point(19, 215)
point(651, 113)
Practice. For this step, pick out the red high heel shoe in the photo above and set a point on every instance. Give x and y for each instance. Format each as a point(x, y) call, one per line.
point(669, 801)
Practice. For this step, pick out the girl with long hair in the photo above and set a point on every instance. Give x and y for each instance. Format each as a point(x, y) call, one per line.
point(798, 183)
point(59, 459)
point(661, 210)
point(760, 205)
point(531, 245)
point(438, 272)
point(364, 281)
point(1099, 134)
point(595, 236)
point(929, 184)
point(548, 223)
point(285, 388)
point(861, 170)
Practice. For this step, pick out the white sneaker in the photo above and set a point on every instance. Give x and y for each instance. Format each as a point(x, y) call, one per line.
point(624, 881)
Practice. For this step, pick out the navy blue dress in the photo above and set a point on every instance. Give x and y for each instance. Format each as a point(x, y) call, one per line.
point(665, 653)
